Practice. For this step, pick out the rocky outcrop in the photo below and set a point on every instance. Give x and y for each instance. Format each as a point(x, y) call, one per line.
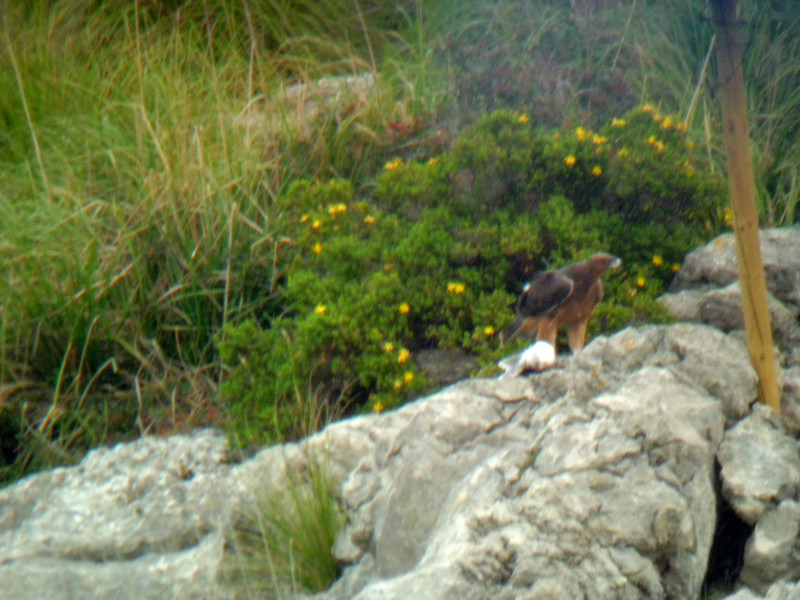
point(706, 289)
point(760, 466)
point(595, 479)
point(609, 476)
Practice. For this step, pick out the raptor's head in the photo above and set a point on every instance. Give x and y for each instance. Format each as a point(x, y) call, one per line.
point(602, 262)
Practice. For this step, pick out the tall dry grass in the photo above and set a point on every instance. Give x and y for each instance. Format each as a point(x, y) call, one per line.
point(141, 150)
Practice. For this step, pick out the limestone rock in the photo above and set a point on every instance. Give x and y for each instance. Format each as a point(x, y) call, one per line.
point(139, 520)
point(772, 552)
point(722, 308)
point(715, 264)
point(782, 590)
point(760, 466)
point(553, 484)
point(790, 399)
point(595, 479)
point(706, 289)
point(685, 304)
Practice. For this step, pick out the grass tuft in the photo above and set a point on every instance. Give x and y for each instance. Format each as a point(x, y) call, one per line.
point(282, 543)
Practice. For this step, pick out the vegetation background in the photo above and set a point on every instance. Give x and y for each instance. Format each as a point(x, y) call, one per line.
point(255, 214)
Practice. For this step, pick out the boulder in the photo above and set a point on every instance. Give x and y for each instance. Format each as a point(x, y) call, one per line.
point(771, 554)
point(715, 264)
point(722, 308)
point(706, 289)
point(140, 520)
point(760, 466)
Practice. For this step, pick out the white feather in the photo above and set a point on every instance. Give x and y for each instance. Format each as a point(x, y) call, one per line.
point(538, 357)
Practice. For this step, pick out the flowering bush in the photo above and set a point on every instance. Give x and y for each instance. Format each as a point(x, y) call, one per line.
point(436, 256)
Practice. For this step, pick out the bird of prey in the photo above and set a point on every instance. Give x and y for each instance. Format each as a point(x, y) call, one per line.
point(565, 296)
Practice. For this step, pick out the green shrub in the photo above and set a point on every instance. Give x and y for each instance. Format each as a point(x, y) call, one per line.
point(364, 290)
point(495, 157)
point(370, 282)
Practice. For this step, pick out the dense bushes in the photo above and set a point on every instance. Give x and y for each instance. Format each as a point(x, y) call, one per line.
point(436, 256)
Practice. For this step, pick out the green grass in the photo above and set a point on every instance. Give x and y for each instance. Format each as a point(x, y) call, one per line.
point(282, 542)
point(143, 150)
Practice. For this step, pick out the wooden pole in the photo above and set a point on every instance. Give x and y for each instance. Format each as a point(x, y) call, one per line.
point(743, 200)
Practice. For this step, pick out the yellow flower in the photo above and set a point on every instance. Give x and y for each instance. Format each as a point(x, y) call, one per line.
point(335, 209)
point(408, 377)
point(570, 160)
point(388, 347)
point(316, 224)
point(317, 249)
point(658, 261)
point(489, 331)
point(393, 164)
point(404, 308)
point(597, 171)
point(667, 123)
point(398, 384)
point(580, 133)
point(656, 143)
point(378, 408)
point(433, 162)
point(640, 282)
point(728, 216)
point(304, 218)
point(403, 355)
point(657, 118)
point(598, 140)
point(682, 127)
point(675, 267)
point(647, 108)
point(321, 309)
point(369, 219)
point(690, 145)
point(523, 119)
point(623, 152)
point(556, 136)
point(455, 287)
point(618, 122)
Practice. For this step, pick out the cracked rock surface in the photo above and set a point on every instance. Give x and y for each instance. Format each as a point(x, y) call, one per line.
point(595, 480)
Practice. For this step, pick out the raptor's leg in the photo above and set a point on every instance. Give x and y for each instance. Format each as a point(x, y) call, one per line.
point(548, 331)
point(577, 335)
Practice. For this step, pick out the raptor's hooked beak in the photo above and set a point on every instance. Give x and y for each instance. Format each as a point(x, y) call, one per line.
point(616, 263)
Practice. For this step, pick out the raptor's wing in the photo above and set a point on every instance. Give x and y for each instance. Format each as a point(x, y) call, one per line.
point(544, 293)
